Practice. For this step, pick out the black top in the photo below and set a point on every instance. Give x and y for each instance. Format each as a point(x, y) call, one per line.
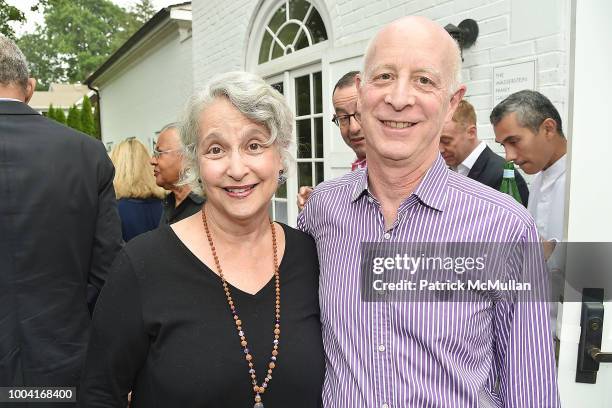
point(162, 328)
point(138, 215)
point(59, 234)
point(489, 169)
point(189, 206)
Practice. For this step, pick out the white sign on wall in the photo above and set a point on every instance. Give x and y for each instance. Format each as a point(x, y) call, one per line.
point(511, 78)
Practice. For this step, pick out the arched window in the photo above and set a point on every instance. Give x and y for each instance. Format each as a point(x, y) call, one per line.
point(295, 25)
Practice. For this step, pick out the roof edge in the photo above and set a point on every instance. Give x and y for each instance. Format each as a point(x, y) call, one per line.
point(142, 32)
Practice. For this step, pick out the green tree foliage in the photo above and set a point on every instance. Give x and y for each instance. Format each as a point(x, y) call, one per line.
point(60, 116)
point(142, 12)
point(9, 14)
point(74, 118)
point(87, 120)
point(51, 112)
point(77, 37)
point(98, 134)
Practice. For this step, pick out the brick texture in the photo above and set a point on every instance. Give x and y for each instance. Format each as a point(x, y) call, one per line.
point(221, 30)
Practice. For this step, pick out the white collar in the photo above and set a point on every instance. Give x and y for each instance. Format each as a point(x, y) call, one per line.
point(556, 170)
point(472, 157)
point(10, 99)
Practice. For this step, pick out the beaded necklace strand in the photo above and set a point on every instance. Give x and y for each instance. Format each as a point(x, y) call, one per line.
point(257, 389)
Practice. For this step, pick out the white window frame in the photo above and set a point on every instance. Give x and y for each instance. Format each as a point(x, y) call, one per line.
point(287, 68)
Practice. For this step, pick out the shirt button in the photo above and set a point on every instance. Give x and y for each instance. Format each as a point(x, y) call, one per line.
point(385, 405)
point(387, 235)
point(370, 199)
point(381, 348)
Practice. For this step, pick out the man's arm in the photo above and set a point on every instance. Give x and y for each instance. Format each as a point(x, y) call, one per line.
point(107, 239)
point(304, 220)
point(303, 194)
point(524, 354)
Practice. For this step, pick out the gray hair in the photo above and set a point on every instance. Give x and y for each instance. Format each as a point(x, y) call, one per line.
point(531, 108)
point(250, 95)
point(13, 65)
point(171, 125)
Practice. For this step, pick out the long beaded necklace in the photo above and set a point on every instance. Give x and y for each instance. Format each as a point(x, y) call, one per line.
point(257, 389)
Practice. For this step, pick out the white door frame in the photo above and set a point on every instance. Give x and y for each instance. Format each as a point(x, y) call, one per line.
point(589, 197)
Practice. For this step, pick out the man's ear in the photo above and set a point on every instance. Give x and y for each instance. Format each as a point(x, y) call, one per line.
point(472, 131)
point(454, 102)
point(550, 128)
point(30, 88)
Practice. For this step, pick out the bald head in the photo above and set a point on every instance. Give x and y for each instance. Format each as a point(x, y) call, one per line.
point(409, 88)
point(414, 31)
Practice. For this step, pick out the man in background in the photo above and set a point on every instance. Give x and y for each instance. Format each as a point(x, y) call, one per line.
point(59, 234)
point(529, 127)
point(167, 162)
point(344, 98)
point(464, 153)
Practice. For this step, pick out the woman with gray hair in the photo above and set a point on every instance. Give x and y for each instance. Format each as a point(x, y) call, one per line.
point(219, 309)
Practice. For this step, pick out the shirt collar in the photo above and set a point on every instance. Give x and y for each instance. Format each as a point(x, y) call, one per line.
point(198, 199)
point(171, 198)
point(556, 170)
point(10, 99)
point(358, 163)
point(431, 191)
point(472, 157)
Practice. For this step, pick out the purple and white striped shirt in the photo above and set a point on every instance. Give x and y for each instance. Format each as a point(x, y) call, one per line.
point(442, 354)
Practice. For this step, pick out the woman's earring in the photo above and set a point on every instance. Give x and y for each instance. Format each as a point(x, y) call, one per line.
point(281, 177)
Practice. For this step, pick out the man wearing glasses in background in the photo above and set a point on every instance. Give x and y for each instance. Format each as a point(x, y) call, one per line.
point(344, 98)
point(167, 162)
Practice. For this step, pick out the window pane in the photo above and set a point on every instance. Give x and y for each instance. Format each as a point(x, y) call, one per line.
point(288, 33)
point(281, 211)
point(278, 19)
point(265, 48)
point(270, 210)
point(304, 174)
point(277, 51)
point(319, 137)
point(319, 172)
point(316, 27)
point(318, 89)
point(281, 192)
point(279, 87)
point(298, 9)
point(302, 41)
point(302, 95)
point(304, 145)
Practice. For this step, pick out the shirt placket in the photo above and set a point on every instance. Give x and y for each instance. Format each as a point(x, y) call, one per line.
point(381, 336)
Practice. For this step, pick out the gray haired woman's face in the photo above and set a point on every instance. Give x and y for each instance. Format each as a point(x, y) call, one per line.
point(238, 170)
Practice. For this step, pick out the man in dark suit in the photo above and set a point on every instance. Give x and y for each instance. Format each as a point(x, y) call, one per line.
point(466, 154)
point(59, 234)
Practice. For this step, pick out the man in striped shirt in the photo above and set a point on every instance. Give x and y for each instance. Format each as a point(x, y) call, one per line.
point(496, 352)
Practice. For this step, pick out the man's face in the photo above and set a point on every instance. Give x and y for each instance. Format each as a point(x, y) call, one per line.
point(345, 103)
point(530, 151)
point(457, 142)
point(167, 167)
point(405, 96)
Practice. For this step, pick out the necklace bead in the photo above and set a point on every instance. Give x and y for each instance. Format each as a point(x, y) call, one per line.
point(257, 390)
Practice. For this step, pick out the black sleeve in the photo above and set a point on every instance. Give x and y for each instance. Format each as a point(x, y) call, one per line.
point(107, 239)
point(523, 189)
point(119, 344)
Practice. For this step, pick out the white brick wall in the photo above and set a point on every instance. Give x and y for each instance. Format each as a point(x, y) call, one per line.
point(220, 35)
